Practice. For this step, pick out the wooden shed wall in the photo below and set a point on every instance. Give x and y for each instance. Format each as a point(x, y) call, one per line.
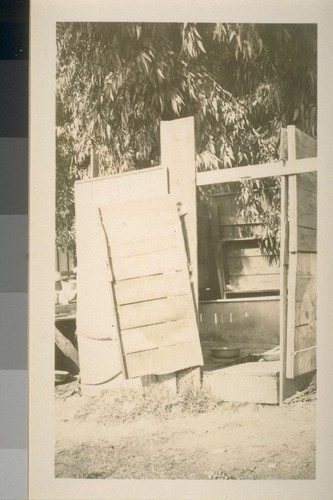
point(305, 327)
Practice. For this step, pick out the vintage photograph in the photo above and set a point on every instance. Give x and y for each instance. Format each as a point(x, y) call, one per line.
point(185, 251)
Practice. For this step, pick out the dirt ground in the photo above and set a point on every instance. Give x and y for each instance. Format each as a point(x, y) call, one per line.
point(231, 441)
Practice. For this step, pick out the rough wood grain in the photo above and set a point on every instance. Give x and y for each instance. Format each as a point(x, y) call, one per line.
point(66, 347)
point(306, 239)
point(305, 361)
point(156, 336)
point(152, 287)
point(164, 360)
point(155, 311)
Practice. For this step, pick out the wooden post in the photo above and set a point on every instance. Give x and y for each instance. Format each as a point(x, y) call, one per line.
point(292, 241)
point(178, 154)
point(283, 285)
point(94, 164)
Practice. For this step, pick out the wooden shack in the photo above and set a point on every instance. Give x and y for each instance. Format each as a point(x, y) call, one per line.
point(135, 319)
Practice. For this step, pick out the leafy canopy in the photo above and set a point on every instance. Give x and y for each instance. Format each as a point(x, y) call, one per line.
point(242, 82)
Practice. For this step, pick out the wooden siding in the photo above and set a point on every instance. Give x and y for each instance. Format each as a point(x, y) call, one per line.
point(240, 263)
point(152, 293)
point(301, 343)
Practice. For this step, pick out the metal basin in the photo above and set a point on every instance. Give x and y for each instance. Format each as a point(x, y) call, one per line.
point(226, 352)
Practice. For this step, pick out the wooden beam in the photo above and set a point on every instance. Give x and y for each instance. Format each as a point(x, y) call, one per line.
point(94, 164)
point(66, 347)
point(273, 169)
point(283, 286)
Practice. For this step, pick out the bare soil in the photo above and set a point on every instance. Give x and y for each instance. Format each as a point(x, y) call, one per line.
point(230, 441)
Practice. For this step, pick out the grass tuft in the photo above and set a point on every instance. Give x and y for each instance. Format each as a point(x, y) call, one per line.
point(153, 401)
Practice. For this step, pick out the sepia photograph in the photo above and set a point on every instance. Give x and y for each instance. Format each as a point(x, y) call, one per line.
point(186, 223)
point(173, 256)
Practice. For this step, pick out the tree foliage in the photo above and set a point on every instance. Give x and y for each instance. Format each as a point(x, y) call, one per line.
point(242, 82)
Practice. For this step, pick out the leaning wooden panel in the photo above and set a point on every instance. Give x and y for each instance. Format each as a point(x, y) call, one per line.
point(152, 287)
point(156, 336)
point(164, 360)
point(155, 311)
point(152, 290)
point(163, 261)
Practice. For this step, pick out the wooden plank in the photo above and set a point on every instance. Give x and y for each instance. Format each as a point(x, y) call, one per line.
point(283, 318)
point(306, 288)
point(137, 266)
point(124, 187)
point(283, 149)
point(292, 256)
point(164, 360)
point(240, 231)
point(152, 287)
point(306, 208)
point(155, 311)
point(66, 347)
point(149, 246)
point(261, 171)
point(306, 146)
point(254, 283)
point(147, 208)
point(308, 181)
point(305, 361)
point(125, 232)
point(157, 336)
point(234, 250)
point(178, 153)
point(307, 264)
point(250, 265)
point(306, 239)
point(305, 336)
point(305, 312)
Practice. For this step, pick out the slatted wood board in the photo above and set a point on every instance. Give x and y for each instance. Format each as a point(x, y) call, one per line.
point(302, 297)
point(155, 306)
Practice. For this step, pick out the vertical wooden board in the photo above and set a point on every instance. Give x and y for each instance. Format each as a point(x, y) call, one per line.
point(306, 239)
point(306, 288)
point(178, 154)
point(306, 208)
point(306, 146)
point(305, 361)
point(307, 181)
point(307, 264)
point(94, 316)
point(63, 262)
point(305, 336)
point(305, 312)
